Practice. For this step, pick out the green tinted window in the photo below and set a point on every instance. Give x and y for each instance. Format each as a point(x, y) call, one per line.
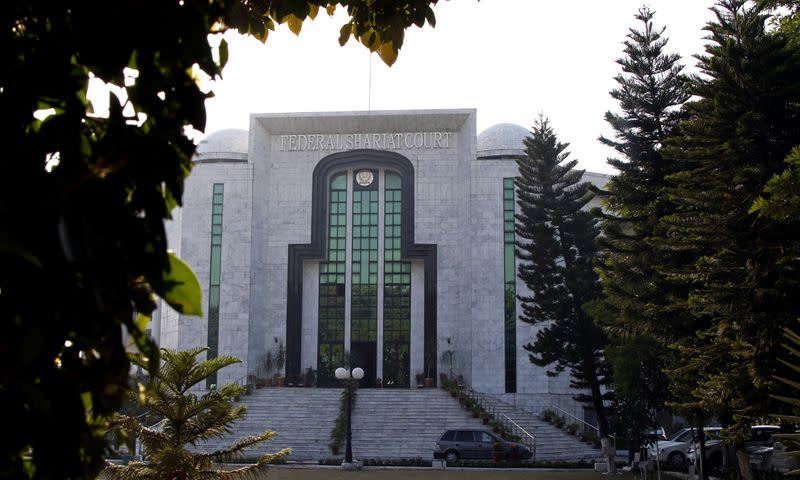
point(396, 291)
point(331, 285)
point(215, 275)
point(509, 274)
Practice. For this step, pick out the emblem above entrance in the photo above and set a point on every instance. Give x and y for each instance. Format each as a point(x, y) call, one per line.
point(364, 178)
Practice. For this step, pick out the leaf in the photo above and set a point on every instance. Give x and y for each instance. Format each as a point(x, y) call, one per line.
point(86, 399)
point(261, 35)
point(791, 401)
point(313, 10)
point(295, 24)
point(141, 321)
point(11, 247)
point(183, 292)
point(223, 53)
point(331, 9)
point(388, 53)
point(344, 33)
point(429, 16)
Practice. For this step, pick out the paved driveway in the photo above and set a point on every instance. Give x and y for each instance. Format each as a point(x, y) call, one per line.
point(335, 473)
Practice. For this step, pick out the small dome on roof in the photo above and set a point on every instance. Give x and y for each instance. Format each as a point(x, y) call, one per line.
point(502, 140)
point(228, 144)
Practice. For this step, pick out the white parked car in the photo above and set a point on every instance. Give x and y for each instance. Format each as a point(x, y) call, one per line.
point(760, 436)
point(673, 450)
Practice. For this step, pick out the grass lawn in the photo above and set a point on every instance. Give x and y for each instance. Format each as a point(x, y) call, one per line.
point(335, 473)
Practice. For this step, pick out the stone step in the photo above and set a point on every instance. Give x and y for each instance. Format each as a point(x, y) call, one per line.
point(386, 423)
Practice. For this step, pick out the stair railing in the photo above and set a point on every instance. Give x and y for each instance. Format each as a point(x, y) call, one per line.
point(492, 405)
point(585, 424)
point(528, 439)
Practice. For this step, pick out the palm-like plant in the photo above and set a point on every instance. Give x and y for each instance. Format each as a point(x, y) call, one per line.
point(189, 419)
point(792, 345)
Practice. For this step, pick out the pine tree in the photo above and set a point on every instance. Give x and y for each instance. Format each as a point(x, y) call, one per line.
point(556, 249)
point(743, 124)
point(650, 92)
point(188, 419)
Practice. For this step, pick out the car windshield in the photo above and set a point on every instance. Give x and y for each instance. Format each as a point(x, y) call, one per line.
point(681, 436)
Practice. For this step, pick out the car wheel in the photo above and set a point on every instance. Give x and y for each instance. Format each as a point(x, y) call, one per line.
point(451, 456)
point(676, 459)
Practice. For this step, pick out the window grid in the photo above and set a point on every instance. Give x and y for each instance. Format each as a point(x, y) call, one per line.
point(364, 276)
point(510, 290)
point(396, 291)
point(332, 282)
point(215, 276)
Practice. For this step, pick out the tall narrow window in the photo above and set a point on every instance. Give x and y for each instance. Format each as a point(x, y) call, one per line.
point(510, 289)
point(331, 284)
point(215, 276)
point(364, 279)
point(396, 291)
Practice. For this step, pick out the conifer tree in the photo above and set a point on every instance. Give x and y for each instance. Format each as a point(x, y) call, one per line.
point(189, 419)
point(743, 124)
point(556, 249)
point(650, 92)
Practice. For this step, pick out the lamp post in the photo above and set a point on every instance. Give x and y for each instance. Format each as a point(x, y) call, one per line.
point(349, 378)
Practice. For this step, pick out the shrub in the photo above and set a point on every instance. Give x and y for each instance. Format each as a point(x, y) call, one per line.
point(572, 428)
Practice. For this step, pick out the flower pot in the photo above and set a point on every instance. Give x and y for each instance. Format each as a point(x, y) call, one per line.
point(498, 455)
point(281, 381)
point(428, 382)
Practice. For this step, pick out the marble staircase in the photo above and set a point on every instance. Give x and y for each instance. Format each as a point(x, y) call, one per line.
point(386, 423)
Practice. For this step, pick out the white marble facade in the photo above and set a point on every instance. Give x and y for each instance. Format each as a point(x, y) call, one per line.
point(458, 199)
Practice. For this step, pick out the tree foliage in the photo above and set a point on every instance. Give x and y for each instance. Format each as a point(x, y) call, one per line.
point(84, 198)
point(640, 387)
point(555, 246)
point(189, 419)
point(743, 289)
point(650, 92)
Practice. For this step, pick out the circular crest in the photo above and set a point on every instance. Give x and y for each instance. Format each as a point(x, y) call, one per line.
point(364, 178)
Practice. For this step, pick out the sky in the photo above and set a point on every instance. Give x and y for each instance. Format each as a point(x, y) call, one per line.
point(509, 59)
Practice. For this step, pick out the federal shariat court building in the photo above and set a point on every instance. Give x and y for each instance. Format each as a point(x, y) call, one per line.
point(385, 234)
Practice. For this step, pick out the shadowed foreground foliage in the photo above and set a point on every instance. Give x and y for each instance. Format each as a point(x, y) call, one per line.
point(84, 198)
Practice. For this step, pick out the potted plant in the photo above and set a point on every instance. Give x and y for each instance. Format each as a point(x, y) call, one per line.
point(428, 380)
point(378, 383)
point(513, 453)
point(310, 377)
point(420, 379)
point(280, 361)
point(498, 453)
point(266, 367)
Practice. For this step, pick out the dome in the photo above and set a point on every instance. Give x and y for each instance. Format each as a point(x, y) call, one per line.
point(229, 144)
point(502, 140)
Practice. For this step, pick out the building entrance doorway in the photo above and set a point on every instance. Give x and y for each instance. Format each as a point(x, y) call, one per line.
point(364, 355)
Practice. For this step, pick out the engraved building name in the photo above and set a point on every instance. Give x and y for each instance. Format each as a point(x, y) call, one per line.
point(378, 141)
